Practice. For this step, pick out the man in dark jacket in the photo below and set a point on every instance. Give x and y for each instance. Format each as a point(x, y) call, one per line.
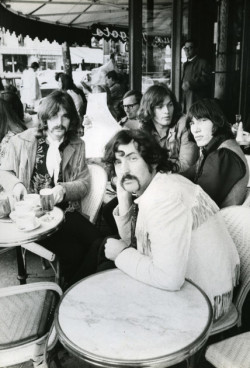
point(196, 77)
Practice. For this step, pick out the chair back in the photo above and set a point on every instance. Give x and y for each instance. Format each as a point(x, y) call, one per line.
point(91, 203)
point(237, 221)
point(26, 317)
point(246, 202)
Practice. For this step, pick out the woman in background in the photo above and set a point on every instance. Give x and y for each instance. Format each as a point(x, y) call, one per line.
point(65, 83)
point(161, 116)
point(221, 170)
point(10, 125)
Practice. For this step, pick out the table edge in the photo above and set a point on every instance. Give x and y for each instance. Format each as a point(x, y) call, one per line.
point(166, 360)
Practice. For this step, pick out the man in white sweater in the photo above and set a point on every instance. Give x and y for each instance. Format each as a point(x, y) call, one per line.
point(178, 233)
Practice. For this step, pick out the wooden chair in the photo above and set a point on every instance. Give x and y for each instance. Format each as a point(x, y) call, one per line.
point(26, 319)
point(230, 353)
point(237, 221)
point(234, 352)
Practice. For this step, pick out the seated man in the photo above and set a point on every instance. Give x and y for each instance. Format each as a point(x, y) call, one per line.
point(131, 104)
point(117, 89)
point(179, 232)
point(53, 156)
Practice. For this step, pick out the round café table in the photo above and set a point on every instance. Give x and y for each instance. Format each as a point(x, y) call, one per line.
point(112, 320)
point(11, 236)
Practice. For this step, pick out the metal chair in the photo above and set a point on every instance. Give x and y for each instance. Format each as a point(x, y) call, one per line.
point(237, 221)
point(26, 318)
point(91, 203)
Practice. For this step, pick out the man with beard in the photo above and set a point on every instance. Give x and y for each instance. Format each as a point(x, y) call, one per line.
point(52, 156)
point(177, 232)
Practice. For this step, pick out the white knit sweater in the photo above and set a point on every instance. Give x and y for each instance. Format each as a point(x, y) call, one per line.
point(180, 234)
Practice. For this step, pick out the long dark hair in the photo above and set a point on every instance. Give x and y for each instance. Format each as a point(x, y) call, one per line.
point(154, 96)
point(50, 106)
point(9, 121)
point(14, 101)
point(147, 146)
point(209, 108)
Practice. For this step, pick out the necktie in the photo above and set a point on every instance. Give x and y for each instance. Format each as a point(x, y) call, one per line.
point(199, 164)
point(133, 225)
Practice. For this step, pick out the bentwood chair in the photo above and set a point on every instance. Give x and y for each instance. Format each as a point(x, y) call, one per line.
point(234, 352)
point(230, 353)
point(91, 203)
point(237, 221)
point(26, 319)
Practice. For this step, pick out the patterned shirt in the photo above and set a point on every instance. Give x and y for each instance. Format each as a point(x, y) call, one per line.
point(4, 144)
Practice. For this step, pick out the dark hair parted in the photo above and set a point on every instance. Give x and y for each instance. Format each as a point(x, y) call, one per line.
point(113, 75)
point(50, 106)
point(209, 108)
point(133, 92)
point(154, 96)
point(147, 146)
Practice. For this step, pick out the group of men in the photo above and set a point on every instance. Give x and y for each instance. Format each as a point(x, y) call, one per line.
point(161, 247)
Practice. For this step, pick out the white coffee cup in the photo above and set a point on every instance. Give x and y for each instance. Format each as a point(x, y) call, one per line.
point(33, 199)
point(26, 220)
point(23, 206)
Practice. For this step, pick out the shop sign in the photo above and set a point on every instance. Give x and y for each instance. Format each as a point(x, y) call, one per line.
point(108, 32)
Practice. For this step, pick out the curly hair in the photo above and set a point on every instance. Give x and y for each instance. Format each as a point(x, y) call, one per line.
point(50, 106)
point(209, 108)
point(147, 146)
point(154, 96)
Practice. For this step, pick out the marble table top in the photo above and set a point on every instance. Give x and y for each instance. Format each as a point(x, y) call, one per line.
point(112, 320)
point(10, 235)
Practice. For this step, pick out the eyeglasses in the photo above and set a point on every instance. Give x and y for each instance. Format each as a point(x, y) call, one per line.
point(130, 106)
point(188, 48)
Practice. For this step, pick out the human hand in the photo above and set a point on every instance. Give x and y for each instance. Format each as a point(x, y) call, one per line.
point(87, 122)
point(125, 198)
point(58, 193)
point(19, 191)
point(113, 248)
point(185, 86)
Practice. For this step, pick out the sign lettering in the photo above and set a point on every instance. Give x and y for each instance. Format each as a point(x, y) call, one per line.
point(121, 35)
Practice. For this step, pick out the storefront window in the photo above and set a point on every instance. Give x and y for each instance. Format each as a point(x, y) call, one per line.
point(158, 42)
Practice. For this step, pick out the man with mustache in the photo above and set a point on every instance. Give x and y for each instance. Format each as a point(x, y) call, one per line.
point(52, 156)
point(178, 233)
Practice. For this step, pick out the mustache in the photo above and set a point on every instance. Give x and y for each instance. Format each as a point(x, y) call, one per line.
point(128, 177)
point(59, 127)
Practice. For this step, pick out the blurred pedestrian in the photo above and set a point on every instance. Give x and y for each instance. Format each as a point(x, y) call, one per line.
point(196, 77)
point(30, 88)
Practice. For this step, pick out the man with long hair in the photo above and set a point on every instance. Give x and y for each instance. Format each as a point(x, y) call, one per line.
point(176, 231)
point(52, 156)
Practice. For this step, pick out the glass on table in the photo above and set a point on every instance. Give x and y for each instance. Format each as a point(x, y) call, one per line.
point(47, 199)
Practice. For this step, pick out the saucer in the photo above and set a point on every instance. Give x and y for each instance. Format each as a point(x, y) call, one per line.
point(6, 219)
point(38, 224)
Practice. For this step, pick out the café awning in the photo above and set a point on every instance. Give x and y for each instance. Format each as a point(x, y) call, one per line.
point(76, 22)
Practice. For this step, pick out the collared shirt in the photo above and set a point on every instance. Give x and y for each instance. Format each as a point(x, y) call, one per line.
point(182, 151)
